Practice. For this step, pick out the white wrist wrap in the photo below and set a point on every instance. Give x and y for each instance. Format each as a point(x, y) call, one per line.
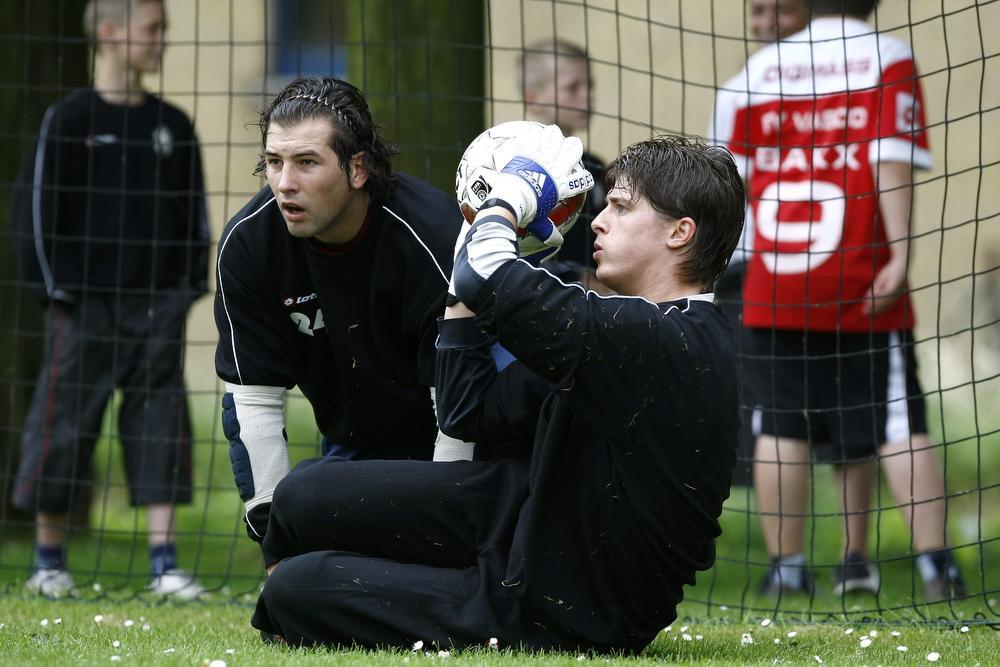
point(261, 419)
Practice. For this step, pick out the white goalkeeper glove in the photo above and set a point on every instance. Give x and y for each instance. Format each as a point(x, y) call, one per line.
point(541, 173)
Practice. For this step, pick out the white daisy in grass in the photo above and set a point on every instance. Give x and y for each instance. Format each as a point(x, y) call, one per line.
point(902, 649)
point(45, 623)
point(723, 607)
point(766, 622)
point(128, 623)
point(776, 641)
point(895, 633)
point(698, 637)
point(684, 628)
point(669, 628)
point(873, 633)
point(217, 663)
point(686, 637)
point(116, 658)
point(865, 642)
point(57, 621)
point(146, 627)
point(444, 654)
point(170, 650)
point(493, 643)
point(417, 645)
point(818, 659)
point(933, 656)
point(116, 644)
point(99, 618)
point(96, 587)
point(849, 631)
point(230, 651)
point(792, 634)
point(746, 639)
point(964, 628)
point(581, 657)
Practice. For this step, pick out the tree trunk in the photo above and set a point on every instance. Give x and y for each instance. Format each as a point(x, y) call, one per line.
point(44, 57)
point(420, 63)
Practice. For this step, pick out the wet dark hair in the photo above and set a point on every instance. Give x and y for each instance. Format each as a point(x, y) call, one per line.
point(842, 7)
point(354, 131)
point(683, 177)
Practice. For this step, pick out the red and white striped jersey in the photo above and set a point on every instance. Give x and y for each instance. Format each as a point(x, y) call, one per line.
point(808, 120)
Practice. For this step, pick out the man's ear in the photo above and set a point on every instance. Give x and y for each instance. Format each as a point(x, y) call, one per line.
point(357, 171)
point(681, 233)
point(107, 32)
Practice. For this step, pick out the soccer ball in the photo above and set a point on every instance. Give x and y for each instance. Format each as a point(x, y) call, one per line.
point(485, 157)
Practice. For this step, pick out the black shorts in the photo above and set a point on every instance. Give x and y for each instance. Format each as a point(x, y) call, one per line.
point(846, 393)
point(134, 343)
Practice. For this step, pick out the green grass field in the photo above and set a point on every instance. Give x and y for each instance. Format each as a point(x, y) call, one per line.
point(110, 563)
point(39, 632)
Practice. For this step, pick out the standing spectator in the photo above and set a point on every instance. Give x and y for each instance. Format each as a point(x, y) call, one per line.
point(767, 21)
point(116, 234)
point(556, 85)
point(827, 127)
point(773, 20)
point(331, 278)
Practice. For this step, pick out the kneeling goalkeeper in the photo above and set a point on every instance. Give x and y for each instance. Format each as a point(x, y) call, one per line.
point(588, 545)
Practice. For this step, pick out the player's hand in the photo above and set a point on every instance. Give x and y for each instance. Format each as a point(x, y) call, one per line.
point(540, 174)
point(887, 287)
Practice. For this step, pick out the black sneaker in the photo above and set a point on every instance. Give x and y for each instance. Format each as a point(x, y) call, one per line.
point(772, 584)
point(947, 582)
point(854, 573)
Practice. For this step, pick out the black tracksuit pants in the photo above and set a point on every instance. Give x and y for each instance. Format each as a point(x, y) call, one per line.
point(386, 553)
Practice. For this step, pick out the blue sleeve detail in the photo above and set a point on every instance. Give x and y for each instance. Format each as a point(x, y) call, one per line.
point(238, 455)
point(534, 174)
point(502, 358)
point(540, 228)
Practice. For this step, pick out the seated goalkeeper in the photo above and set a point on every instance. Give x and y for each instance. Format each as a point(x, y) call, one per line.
point(588, 545)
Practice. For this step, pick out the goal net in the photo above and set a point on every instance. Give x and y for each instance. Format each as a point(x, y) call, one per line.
point(436, 74)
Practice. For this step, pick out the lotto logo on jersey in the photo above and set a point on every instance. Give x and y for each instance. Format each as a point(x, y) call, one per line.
point(535, 179)
point(298, 300)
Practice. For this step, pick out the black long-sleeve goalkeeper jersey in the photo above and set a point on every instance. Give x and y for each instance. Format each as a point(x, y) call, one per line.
point(353, 329)
point(633, 452)
point(112, 200)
